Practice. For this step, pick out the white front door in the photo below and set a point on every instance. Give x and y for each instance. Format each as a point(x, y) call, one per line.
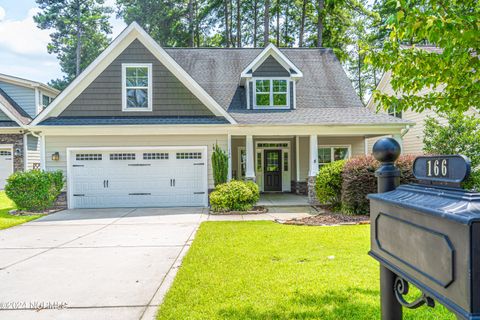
point(138, 178)
point(6, 166)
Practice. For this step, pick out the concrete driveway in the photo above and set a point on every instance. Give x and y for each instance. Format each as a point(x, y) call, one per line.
point(93, 264)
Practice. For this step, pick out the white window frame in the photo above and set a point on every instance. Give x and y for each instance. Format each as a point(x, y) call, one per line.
point(333, 146)
point(270, 107)
point(124, 87)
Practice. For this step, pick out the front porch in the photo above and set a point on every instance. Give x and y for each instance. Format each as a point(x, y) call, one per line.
point(288, 164)
point(283, 200)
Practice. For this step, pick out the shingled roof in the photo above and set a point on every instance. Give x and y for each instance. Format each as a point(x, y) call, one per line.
point(14, 108)
point(323, 96)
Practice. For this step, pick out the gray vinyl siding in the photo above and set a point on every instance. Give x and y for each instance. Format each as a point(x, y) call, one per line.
point(271, 68)
point(103, 97)
point(33, 149)
point(24, 97)
point(4, 117)
point(250, 93)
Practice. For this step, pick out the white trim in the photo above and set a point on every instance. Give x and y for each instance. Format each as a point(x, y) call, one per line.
point(229, 152)
point(132, 32)
point(271, 50)
point(294, 94)
point(42, 153)
point(247, 85)
point(149, 87)
point(10, 115)
point(313, 162)
point(25, 152)
point(297, 157)
point(332, 146)
point(250, 152)
point(107, 149)
point(271, 107)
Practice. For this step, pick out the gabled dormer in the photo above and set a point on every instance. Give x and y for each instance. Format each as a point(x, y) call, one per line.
point(270, 80)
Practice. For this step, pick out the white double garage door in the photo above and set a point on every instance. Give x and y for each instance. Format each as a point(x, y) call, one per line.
point(137, 177)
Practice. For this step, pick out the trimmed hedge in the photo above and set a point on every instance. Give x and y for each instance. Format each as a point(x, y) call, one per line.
point(359, 180)
point(328, 184)
point(34, 190)
point(234, 196)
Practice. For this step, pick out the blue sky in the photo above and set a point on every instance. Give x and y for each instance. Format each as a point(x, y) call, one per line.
point(23, 47)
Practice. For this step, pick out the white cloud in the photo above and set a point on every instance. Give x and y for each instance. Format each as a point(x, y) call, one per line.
point(2, 14)
point(23, 36)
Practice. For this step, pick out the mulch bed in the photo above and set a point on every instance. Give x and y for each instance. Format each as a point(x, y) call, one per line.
point(28, 213)
point(329, 218)
point(255, 210)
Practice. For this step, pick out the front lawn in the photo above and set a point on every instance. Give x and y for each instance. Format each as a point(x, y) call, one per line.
point(6, 219)
point(263, 270)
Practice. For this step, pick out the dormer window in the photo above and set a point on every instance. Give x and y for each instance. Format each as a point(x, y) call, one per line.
point(137, 87)
point(271, 93)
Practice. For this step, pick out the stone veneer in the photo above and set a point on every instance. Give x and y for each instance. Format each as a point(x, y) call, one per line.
point(17, 141)
point(312, 196)
point(299, 187)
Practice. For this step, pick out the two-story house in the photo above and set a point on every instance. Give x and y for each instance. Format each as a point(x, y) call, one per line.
point(21, 100)
point(137, 127)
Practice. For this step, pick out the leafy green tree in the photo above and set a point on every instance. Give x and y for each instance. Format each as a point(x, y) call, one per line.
point(81, 30)
point(446, 79)
point(455, 133)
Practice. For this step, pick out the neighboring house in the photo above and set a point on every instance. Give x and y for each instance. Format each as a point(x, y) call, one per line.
point(20, 101)
point(412, 138)
point(137, 127)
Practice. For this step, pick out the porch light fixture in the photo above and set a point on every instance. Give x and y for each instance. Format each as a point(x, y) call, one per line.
point(56, 156)
point(18, 152)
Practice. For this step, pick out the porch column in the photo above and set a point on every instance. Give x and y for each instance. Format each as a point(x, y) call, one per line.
point(313, 156)
point(229, 150)
point(313, 169)
point(250, 165)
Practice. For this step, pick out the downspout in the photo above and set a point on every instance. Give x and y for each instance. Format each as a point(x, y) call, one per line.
point(42, 149)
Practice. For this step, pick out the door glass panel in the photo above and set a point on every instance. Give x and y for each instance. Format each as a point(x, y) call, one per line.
point(285, 161)
point(259, 162)
point(243, 162)
point(273, 162)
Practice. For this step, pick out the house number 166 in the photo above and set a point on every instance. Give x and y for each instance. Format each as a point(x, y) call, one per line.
point(437, 168)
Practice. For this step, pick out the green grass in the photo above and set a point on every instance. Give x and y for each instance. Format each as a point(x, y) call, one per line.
point(6, 219)
point(263, 270)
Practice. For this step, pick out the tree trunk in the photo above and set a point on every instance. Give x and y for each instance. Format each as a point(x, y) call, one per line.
point(78, 52)
point(197, 25)
point(321, 4)
point(285, 35)
point(239, 27)
point(360, 91)
point(266, 23)
point(278, 23)
point(191, 29)
point(302, 23)
point(232, 39)
point(255, 23)
point(227, 24)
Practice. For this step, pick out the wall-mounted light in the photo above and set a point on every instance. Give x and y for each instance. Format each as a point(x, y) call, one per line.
point(55, 156)
point(18, 152)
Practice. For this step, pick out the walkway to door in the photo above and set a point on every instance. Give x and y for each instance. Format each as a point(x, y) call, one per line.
point(282, 200)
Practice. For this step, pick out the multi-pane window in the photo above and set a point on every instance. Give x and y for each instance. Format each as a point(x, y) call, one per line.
point(88, 156)
point(271, 93)
point(46, 100)
point(393, 112)
point(330, 154)
point(5, 153)
point(189, 155)
point(155, 156)
point(137, 87)
point(122, 156)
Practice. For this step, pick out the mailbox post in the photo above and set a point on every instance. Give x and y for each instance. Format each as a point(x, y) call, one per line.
point(426, 234)
point(387, 151)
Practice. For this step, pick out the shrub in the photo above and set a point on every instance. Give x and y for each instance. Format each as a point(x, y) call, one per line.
point(34, 190)
point(219, 165)
point(328, 184)
point(234, 196)
point(359, 180)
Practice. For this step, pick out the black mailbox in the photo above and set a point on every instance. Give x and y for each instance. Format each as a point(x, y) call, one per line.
point(428, 234)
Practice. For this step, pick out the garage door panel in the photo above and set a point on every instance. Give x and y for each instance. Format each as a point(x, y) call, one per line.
point(149, 178)
point(6, 166)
